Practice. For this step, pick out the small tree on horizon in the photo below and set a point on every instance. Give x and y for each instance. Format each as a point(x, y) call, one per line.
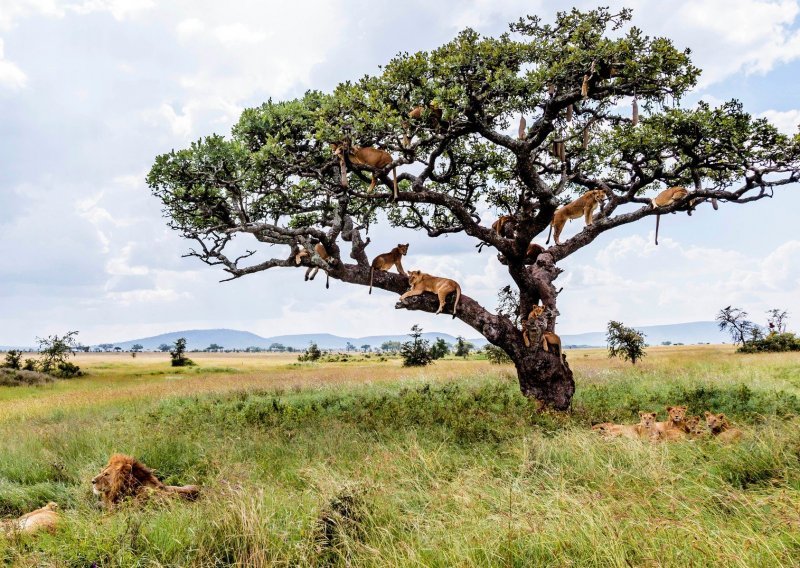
point(463, 347)
point(178, 354)
point(13, 359)
point(164, 347)
point(55, 352)
point(735, 322)
point(776, 320)
point(416, 353)
point(440, 348)
point(625, 342)
point(312, 353)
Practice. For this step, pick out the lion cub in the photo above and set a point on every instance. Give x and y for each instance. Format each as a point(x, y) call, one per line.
point(386, 260)
point(674, 428)
point(720, 428)
point(45, 518)
point(442, 287)
point(644, 429)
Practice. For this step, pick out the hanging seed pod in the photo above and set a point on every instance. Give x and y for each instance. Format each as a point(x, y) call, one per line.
point(585, 86)
point(591, 68)
point(585, 144)
point(635, 116)
point(569, 113)
point(562, 152)
point(522, 128)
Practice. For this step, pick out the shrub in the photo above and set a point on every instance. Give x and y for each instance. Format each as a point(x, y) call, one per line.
point(496, 355)
point(13, 359)
point(774, 342)
point(417, 352)
point(178, 354)
point(56, 350)
point(29, 365)
point(311, 354)
point(68, 370)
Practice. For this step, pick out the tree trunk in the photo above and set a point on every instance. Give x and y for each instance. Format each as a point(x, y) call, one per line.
point(545, 377)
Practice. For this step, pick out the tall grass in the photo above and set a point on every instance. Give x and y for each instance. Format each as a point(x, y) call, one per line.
point(435, 469)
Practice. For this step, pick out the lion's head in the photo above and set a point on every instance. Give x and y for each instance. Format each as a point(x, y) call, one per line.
point(647, 419)
point(124, 476)
point(676, 414)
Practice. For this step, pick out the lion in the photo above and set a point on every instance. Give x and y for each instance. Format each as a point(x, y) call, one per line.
point(695, 428)
point(442, 287)
point(721, 429)
point(674, 427)
point(644, 429)
point(125, 476)
point(45, 518)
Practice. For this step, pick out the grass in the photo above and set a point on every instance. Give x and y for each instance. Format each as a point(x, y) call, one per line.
point(366, 463)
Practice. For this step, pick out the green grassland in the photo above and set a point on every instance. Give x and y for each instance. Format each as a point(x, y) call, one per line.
point(365, 463)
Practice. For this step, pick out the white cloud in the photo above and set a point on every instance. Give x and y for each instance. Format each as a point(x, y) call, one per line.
point(238, 35)
point(787, 121)
point(119, 9)
point(11, 76)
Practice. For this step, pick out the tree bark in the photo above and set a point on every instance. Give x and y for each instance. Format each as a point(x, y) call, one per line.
point(545, 377)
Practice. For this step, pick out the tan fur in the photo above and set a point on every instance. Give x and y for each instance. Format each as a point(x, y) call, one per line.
point(366, 156)
point(695, 427)
point(584, 207)
point(550, 339)
point(45, 518)
point(644, 429)
point(674, 426)
point(534, 314)
point(498, 225)
point(435, 113)
point(442, 287)
point(319, 248)
point(533, 253)
point(721, 429)
point(125, 476)
point(666, 198)
point(387, 260)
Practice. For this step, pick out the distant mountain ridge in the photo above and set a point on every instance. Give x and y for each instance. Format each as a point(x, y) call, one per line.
point(198, 339)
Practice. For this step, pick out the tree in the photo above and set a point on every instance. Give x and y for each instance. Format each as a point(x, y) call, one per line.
point(496, 355)
point(416, 353)
point(13, 359)
point(277, 347)
point(178, 354)
point(776, 320)
point(117, 348)
point(55, 352)
point(440, 348)
point(625, 342)
point(366, 348)
point(350, 347)
point(735, 322)
point(463, 347)
point(136, 347)
point(275, 181)
point(214, 348)
point(164, 347)
point(312, 353)
point(106, 346)
point(393, 346)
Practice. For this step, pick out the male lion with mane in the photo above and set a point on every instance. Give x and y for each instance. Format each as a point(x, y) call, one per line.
point(125, 476)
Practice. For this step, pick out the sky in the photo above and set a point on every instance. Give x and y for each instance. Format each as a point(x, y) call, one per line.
point(92, 90)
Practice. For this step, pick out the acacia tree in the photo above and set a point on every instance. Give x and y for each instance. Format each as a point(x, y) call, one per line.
point(276, 181)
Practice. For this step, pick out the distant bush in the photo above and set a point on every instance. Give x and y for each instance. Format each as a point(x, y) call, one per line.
point(29, 365)
point(13, 359)
point(496, 355)
point(178, 354)
point(311, 354)
point(417, 352)
point(774, 342)
point(15, 377)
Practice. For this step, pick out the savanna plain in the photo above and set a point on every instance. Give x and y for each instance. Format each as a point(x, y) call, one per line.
point(367, 463)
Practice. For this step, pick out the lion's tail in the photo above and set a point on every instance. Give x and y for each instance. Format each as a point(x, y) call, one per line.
point(190, 492)
point(371, 274)
point(549, 232)
point(458, 297)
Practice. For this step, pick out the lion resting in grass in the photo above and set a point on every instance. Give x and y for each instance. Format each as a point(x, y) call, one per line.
point(45, 518)
point(125, 477)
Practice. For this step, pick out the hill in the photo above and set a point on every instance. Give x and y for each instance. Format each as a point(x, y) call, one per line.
point(197, 339)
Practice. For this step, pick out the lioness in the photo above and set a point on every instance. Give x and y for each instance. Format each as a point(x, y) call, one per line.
point(644, 429)
point(674, 427)
point(421, 282)
point(45, 518)
point(720, 428)
point(125, 476)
